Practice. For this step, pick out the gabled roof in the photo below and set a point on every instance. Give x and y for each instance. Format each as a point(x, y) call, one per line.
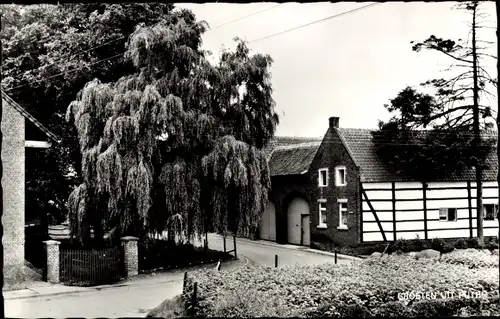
point(291, 155)
point(362, 149)
point(29, 117)
point(287, 141)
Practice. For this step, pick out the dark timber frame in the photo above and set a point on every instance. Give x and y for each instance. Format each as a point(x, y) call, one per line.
point(361, 212)
point(424, 199)
point(394, 211)
point(470, 207)
point(374, 213)
point(424, 194)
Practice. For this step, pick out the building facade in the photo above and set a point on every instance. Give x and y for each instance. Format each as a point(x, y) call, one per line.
point(14, 120)
point(337, 191)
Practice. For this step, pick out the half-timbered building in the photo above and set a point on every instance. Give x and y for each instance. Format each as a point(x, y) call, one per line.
point(337, 190)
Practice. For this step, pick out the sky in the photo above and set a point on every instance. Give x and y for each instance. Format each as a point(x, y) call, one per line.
point(348, 66)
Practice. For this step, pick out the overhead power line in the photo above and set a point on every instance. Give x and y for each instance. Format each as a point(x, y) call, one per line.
point(72, 55)
point(69, 56)
point(226, 23)
point(314, 22)
point(244, 17)
point(66, 72)
point(88, 50)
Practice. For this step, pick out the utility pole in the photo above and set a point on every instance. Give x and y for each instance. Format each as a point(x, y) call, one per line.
point(2, 310)
point(477, 132)
point(498, 117)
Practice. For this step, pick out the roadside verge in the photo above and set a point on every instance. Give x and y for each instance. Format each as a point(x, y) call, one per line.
point(45, 289)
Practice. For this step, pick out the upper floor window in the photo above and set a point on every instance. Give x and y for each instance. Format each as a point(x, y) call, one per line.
point(447, 214)
point(323, 177)
point(340, 176)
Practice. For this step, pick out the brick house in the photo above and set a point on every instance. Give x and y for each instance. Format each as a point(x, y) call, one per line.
point(335, 191)
point(15, 120)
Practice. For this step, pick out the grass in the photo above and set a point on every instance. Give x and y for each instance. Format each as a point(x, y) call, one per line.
point(256, 289)
point(174, 308)
point(373, 286)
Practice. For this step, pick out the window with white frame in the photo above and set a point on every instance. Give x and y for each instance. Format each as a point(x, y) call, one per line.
point(343, 213)
point(490, 211)
point(340, 176)
point(447, 214)
point(323, 177)
point(322, 214)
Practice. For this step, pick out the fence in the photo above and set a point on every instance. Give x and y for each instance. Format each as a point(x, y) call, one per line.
point(90, 267)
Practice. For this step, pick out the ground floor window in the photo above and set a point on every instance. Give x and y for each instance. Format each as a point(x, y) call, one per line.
point(490, 211)
point(322, 215)
point(343, 214)
point(447, 214)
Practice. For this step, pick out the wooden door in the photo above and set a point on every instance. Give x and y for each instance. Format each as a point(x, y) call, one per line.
point(296, 209)
point(267, 229)
point(306, 232)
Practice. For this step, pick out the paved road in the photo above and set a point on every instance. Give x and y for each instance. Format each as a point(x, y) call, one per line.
point(108, 303)
point(264, 252)
point(145, 293)
point(133, 299)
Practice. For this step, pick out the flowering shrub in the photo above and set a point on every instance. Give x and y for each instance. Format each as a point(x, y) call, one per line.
point(370, 287)
point(416, 245)
point(474, 243)
point(461, 244)
point(472, 258)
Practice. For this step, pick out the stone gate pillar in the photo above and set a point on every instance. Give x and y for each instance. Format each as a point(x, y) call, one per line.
point(131, 255)
point(52, 248)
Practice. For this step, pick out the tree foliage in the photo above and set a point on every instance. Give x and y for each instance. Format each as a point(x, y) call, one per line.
point(175, 144)
point(448, 143)
point(430, 154)
point(49, 53)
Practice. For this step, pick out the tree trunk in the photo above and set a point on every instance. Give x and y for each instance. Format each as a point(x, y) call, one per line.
point(477, 136)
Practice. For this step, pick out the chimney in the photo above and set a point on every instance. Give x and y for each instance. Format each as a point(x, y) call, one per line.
point(334, 122)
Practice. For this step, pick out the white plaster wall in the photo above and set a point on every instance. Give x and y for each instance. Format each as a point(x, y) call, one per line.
point(461, 223)
point(373, 226)
point(451, 233)
point(459, 200)
point(403, 215)
point(377, 236)
point(382, 216)
point(409, 226)
point(410, 235)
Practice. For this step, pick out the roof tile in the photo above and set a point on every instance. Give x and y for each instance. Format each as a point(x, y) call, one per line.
point(359, 143)
point(291, 155)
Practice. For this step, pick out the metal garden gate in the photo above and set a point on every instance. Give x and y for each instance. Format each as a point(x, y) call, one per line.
point(85, 267)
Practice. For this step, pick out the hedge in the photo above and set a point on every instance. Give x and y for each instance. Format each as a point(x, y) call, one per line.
point(369, 287)
point(472, 258)
point(161, 254)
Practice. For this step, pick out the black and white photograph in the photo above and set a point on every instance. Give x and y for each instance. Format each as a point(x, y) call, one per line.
point(250, 159)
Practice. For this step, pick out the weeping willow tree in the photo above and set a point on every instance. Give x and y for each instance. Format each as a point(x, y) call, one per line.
point(176, 145)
